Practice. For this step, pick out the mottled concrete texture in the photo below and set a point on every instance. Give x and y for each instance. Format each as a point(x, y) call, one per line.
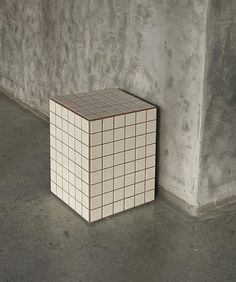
point(218, 149)
point(155, 49)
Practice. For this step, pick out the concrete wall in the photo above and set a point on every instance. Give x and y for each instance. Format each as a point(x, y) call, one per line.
point(152, 48)
point(218, 149)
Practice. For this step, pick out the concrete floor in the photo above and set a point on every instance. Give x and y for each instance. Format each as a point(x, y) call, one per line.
point(43, 240)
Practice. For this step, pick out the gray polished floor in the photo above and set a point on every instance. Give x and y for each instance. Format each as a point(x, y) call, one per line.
point(43, 240)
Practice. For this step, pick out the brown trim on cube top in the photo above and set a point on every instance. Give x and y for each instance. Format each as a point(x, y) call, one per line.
point(99, 118)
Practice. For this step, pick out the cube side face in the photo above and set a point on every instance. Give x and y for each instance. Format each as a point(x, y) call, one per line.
point(122, 162)
point(69, 157)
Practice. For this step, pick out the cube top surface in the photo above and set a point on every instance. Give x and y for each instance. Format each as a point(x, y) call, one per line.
point(101, 104)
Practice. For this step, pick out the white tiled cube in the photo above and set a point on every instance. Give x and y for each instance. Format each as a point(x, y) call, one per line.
point(103, 152)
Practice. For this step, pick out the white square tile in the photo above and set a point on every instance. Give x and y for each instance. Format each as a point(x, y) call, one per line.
point(108, 186)
point(150, 184)
point(129, 155)
point(58, 122)
point(96, 152)
point(65, 185)
point(85, 175)
point(150, 172)
point(140, 164)
point(107, 123)
point(52, 130)
point(96, 139)
point(150, 161)
point(96, 202)
point(140, 176)
point(107, 210)
point(107, 198)
point(107, 149)
point(78, 134)
point(108, 136)
point(52, 118)
point(72, 189)
point(72, 202)
point(118, 206)
point(78, 159)
point(64, 125)
point(151, 114)
point(96, 126)
point(71, 117)
point(129, 203)
point(78, 183)
point(119, 194)
point(52, 106)
point(85, 125)
point(71, 142)
point(129, 167)
point(85, 213)
point(139, 187)
point(78, 171)
point(129, 179)
point(130, 143)
point(85, 151)
point(78, 121)
point(140, 128)
point(151, 126)
point(52, 141)
point(119, 133)
point(58, 109)
point(130, 131)
point(119, 121)
point(78, 196)
point(85, 201)
point(107, 173)
point(141, 116)
point(78, 207)
point(108, 161)
point(58, 134)
point(129, 191)
point(119, 146)
point(53, 187)
point(119, 182)
point(53, 164)
point(85, 163)
point(140, 141)
point(53, 153)
point(96, 214)
point(119, 170)
point(149, 196)
point(140, 153)
point(119, 158)
point(71, 130)
point(59, 193)
point(85, 188)
point(85, 138)
point(96, 189)
point(151, 138)
point(65, 197)
point(130, 119)
point(139, 199)
point(96, 164)
point(96, 177)
point(71, 178)
point(151, 150)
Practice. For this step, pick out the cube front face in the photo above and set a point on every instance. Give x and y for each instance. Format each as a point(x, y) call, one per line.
point(104, 166)
point(69, 150)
